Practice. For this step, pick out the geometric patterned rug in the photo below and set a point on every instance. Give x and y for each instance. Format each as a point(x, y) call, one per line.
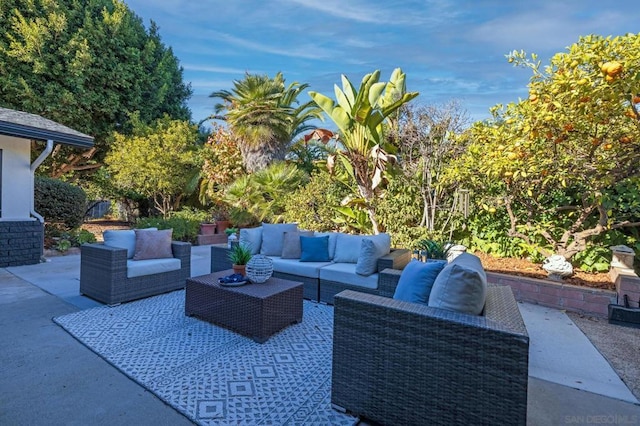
point(212, 375)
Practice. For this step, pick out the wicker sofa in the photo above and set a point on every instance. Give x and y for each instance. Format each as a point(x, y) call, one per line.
point(103, 274)
point(315, 288)
point(402, 363)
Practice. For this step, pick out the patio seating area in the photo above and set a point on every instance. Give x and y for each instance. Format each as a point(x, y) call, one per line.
point(69, 382)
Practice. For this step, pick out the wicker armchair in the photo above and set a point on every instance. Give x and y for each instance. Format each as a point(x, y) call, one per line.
point(401, 363)
point(103, 274)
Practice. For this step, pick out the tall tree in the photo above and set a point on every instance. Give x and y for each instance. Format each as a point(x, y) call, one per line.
point(87, 65)
point(360, 116)
point(265, 115)
point(426, 139)
point(157, 161)
point(563, 164)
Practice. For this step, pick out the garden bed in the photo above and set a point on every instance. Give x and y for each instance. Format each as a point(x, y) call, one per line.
point(525, 268)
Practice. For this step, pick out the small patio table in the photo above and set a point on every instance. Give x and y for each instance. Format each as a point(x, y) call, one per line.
point(254, 310)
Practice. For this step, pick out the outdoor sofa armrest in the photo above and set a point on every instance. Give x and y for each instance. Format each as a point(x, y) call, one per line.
point(396, 259)
point(182, 250)
point(107, 262)
point(396, 362)
point(388, 281)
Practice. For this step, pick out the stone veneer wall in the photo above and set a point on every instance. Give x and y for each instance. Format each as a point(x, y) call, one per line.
point(21, 242)
point(557, 295)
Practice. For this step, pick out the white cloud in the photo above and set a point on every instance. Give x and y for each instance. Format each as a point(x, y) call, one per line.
point(212, 69)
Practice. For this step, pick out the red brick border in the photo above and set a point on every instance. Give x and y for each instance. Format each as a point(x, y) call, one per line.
point(627, 282)
point(557, 295)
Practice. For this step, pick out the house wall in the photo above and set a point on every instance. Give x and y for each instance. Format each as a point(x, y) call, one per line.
point(21, 242)
point(17, 182)
point(21, 236)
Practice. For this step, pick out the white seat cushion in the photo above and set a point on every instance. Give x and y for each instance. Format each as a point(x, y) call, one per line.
point(295, 267)
point(138, 268)
point(346, 273)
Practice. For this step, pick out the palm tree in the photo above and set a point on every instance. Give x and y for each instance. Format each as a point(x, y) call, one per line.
point(265, 115)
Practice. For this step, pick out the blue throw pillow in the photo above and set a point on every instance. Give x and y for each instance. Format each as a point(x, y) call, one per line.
point(314, 249)
point(416, 281)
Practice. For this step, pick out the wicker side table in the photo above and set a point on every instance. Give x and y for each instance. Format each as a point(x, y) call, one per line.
point(254, 310)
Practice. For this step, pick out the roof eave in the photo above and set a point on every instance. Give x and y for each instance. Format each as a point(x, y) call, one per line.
point(27, 132)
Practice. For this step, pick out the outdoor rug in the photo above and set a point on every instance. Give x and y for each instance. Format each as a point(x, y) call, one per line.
point(210, 374)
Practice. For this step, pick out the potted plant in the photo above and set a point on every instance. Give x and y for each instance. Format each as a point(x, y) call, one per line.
point(432, 249)
point(239, 255)
point(208, 228)
point(221, 217)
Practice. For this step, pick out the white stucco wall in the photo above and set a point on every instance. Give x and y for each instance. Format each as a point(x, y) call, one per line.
point(17, 182)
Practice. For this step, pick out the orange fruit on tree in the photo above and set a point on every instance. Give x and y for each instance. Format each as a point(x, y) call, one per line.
point(611, 68)
point(625, 139)
point(636, 99)
point(615, 68)
point(608, 146)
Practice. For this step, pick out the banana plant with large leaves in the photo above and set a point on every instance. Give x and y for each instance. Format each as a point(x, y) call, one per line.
point(359, 116)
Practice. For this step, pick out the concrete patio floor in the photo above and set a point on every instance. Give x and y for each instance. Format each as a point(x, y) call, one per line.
point(47, 377)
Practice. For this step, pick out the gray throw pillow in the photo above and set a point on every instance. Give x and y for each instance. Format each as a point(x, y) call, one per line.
point(153, 244)
point(252, 238)
point(291, 243)
point(348, 248)
point(123, 238)
point(273, 237)
point(371, 249)
point(461, 286)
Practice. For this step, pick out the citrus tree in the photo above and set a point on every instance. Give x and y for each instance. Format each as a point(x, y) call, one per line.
point(564, 163)
point(359, 116)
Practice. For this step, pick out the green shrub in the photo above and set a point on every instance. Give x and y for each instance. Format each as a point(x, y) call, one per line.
point(82, 236)
point(259, 197)
point(313, 206)
point(185, 223)
point(64, 240)
point(400, 213)
point(59, 202)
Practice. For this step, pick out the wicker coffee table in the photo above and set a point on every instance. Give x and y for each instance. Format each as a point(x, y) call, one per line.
point(254, 310)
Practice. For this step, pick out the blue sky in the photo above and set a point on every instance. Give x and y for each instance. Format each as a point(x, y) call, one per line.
point(449, 49)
